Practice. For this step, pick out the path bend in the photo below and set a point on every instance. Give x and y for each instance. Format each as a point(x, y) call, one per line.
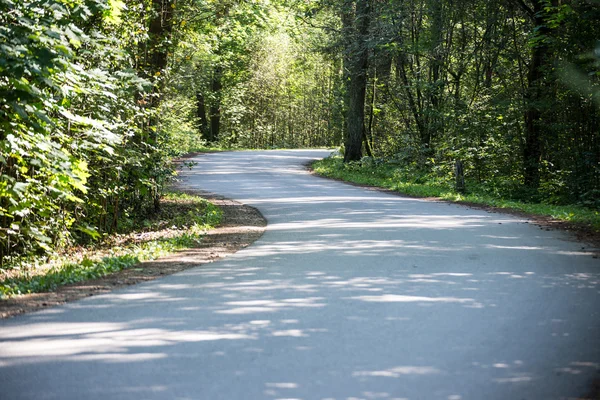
point(350, 294)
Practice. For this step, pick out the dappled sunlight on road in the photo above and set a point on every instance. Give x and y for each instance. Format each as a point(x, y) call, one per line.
point(279, 302)
point(109, 346)
point(259, 306)
point(347, 247)
point(394, 298)
point(429, 222)
point(396, 372)
point(350, 294)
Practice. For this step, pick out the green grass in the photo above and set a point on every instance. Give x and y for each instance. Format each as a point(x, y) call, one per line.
point(386, 176)
point(185, 217)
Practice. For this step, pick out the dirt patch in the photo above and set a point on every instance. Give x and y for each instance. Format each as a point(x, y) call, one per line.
point(240, 226)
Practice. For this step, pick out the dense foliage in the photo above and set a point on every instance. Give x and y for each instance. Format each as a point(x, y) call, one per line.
point(96, 96)
point(79, 149)
point(508, 88)
point(181, 223)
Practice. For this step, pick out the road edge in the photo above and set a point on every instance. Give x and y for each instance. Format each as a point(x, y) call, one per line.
point(241, 225)
point(579, 233)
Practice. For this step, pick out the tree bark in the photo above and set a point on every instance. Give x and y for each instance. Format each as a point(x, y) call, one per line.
point(201, 115)
point(534, 97)
point(357, 71)
point(160, 31)
point(215, 108)
point(368, 135)
point(433, 125)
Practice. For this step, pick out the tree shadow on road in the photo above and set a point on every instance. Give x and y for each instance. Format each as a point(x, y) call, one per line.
point(363, 296)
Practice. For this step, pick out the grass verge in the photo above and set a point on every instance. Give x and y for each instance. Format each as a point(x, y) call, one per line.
point(181, 223)
point(384, 176)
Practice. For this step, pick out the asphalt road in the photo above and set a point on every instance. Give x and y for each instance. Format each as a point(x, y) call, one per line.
point(350, 294)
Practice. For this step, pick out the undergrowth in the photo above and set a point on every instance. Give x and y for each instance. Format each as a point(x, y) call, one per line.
point(391, 177)
point(181, 223)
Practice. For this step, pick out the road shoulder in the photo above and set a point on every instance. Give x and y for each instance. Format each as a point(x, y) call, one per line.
point(241, 226)
point(579, 232)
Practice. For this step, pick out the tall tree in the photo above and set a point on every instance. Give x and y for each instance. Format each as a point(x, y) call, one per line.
point(538, 83)
point(356, 26)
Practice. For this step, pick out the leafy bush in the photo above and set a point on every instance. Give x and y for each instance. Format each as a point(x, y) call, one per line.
point(79, 146)
point(392, 175)
point(190, 227)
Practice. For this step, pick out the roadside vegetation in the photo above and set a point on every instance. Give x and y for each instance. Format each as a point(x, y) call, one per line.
point(441, 184)
point(181, 223)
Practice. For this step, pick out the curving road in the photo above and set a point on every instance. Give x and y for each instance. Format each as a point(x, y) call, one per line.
point(350, 294)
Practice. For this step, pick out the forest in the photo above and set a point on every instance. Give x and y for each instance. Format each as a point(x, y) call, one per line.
point(97, 97)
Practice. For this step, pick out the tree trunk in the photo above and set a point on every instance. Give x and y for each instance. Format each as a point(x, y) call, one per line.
point(201, 115)
point(357, 86)
point(160, 32)
point(535, 96)
point(533, 116)
point(368, 148)
point(433, 125)
point(215, 108)
point(368, 136)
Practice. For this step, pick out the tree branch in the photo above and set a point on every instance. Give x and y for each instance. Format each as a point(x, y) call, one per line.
point(323, 27)
point(526, 8)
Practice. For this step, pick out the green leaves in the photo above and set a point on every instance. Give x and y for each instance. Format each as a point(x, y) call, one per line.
point(68, 124)
point(190, 228)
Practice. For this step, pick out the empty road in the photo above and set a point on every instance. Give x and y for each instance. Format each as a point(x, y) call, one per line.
point(350, 294)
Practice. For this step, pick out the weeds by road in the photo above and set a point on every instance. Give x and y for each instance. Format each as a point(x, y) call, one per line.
point(189, 231)
point(583, 221)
